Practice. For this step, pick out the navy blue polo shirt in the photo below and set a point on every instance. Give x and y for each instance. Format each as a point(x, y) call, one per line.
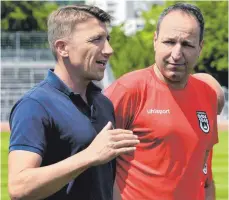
point(55, 123)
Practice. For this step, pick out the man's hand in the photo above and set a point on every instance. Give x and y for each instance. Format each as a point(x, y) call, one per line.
point(110, 143)
point(210, 191)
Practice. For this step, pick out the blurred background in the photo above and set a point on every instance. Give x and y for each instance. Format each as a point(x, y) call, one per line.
point(25, 57)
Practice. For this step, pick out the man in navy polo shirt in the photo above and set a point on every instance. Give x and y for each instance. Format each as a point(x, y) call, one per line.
point(62, 143)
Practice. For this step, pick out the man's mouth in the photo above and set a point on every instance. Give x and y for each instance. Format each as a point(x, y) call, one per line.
point(101, 62)
point(176, 64)
point(176, 67)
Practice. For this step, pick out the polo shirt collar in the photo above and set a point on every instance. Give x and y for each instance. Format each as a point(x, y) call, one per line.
point(57, 83)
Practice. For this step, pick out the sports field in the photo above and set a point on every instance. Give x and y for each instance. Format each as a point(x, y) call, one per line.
point(220, 166)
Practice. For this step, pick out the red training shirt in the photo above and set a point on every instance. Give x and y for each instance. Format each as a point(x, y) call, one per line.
point(175, 128)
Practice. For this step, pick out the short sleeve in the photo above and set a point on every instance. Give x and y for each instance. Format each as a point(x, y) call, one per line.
point(214, 104)
point(215, 138)
point(28, 124)
point(124, 102)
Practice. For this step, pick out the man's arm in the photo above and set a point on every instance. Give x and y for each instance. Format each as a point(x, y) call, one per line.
point(27, 180)
point(212, 82)
point(210, 191)
point(209, 185)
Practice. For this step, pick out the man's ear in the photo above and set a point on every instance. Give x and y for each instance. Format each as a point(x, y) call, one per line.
point(155, 40)
point(201, 45)
point(61, 48)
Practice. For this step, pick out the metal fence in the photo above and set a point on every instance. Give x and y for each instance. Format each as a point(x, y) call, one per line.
point(224, 114)
point(16, 79)
point(25, 46)
point(25, 59)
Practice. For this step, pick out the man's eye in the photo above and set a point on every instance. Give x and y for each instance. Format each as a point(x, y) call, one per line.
point(97, 39)
point(188, 45)
point(169, 42)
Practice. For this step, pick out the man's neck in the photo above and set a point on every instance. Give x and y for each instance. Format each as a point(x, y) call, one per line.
point(75, 83)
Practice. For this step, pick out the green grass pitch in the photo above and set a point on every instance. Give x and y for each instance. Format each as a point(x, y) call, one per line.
point(220, 166)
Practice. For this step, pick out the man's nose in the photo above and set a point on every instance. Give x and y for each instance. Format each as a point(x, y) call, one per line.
point(176, 52)
point(107, 49)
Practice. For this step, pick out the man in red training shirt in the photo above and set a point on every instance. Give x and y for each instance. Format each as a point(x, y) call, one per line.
point(173, 113)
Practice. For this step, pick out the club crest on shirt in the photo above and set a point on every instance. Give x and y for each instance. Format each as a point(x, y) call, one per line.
point(203, 121)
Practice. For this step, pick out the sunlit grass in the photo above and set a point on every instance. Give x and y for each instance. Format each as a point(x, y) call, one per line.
point(220, 166)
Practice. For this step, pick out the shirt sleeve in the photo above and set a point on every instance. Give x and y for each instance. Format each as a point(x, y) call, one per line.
point(215, 138)
point(29, 124)
point(214, 103)
point(124, 102)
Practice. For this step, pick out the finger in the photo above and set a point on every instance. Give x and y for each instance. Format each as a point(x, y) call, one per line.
point(118, 137)
point(125, 143)
point(125, 150)
point(121, 131)
point(108, 126)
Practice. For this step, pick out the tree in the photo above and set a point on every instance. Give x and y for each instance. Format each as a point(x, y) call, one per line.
point(215, 52)
point(25, 15)
point(136, 51)
point(129, 52)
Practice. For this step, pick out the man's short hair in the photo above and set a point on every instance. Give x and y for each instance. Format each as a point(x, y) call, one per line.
point(188, 9)
point(62, 22)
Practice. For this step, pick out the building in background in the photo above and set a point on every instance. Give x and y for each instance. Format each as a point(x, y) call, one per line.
point(68, 2)
point(125, 12)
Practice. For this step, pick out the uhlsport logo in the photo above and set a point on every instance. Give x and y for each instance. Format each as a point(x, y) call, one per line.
point(203, 121)
point(157, 111)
